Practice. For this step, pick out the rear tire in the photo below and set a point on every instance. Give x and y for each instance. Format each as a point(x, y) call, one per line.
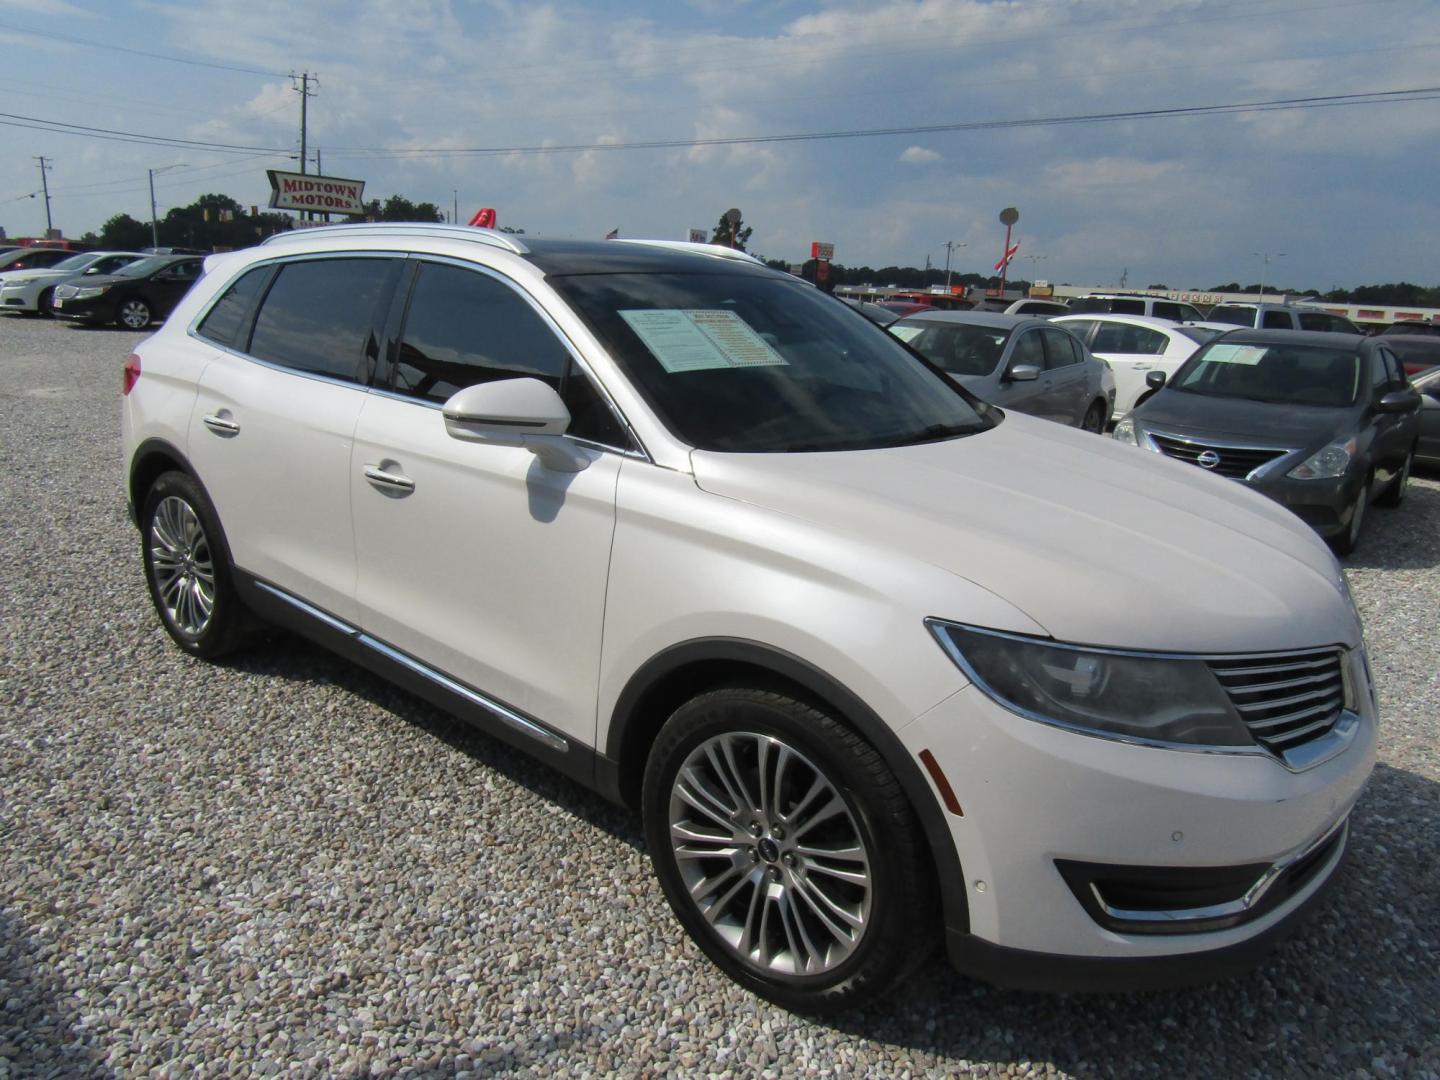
point(187, 569)
point(1094, 418)
point(787, 849)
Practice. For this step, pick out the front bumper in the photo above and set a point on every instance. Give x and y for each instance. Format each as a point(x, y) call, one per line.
point(96, 309)
point(1325, 505)
point(1038, 800)
point(25, 299)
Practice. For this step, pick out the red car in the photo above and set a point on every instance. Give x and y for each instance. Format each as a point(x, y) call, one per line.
point(1418, 352)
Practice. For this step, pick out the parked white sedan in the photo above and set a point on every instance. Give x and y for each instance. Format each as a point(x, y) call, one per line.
point(1133, 345)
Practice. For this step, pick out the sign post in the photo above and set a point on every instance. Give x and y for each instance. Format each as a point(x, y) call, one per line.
point(822, 253)
point(1008, 217)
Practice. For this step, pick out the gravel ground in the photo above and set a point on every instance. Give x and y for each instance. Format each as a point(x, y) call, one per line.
point(282, 865)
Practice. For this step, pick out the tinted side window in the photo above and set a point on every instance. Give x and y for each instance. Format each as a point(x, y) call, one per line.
point(222, 323)
point(1313, 320)
point(1379, 377)
point(1081, 328)
point(1164, 310)
point(1128, 307)
point(1277, 320)
point(1124, 338)
point(464, 327)
point(1393, 371)
point(319, 315)
point(1059, 348)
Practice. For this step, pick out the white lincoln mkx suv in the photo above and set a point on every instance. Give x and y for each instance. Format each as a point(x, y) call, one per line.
point(873, 660)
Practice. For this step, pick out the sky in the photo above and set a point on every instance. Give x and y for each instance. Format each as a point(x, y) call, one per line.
point(1336, 196)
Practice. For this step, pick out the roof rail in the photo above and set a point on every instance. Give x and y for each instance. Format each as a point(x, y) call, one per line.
point(492, 237)
point(717, 251)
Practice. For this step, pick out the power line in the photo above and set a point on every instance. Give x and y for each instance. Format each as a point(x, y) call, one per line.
point(1374, 97)
point(73, 40)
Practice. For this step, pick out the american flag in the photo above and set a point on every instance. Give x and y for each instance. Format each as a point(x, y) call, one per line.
point(1010, 254)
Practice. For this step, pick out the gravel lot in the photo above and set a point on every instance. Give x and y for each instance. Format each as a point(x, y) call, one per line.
point(282, 865)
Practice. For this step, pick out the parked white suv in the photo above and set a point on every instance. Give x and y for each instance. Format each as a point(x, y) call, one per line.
point(870, 657)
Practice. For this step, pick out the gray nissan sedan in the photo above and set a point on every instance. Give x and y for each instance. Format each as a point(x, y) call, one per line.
point(1322, 423)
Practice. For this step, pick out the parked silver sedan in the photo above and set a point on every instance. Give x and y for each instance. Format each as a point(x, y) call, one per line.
point(1017, 362)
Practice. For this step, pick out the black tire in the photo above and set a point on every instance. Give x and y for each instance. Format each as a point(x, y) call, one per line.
point(1094, 418)
point(45, 303)
point(769, 874)
point(1395, 494)
point(1346, 542)
point(187, 563)
point(133, 314)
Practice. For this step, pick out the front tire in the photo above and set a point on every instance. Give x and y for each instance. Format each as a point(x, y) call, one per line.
point(1346, 542)
point(134, 314)
point(45, 303)
point(1394, 495)
point(187, 568)
point(787, 849)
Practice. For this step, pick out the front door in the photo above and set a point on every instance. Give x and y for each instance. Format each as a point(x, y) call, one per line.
point(474, 558)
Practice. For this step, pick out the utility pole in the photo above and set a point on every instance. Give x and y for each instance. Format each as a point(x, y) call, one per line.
point(948, 245)
point(455, 206)
point(1265, 257)
point(45, 186)
point(154, 229)
point(305, 94)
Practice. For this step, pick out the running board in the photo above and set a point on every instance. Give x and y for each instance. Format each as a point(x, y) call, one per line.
point(508, 717)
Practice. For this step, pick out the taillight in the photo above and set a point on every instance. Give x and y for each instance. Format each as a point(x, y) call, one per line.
point(132, 373)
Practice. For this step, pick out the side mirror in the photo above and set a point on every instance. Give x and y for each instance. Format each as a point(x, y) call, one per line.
point(1398, 401)
point(93, 270)
point(1155, 379)
point(516, 412)
point(1022, 373)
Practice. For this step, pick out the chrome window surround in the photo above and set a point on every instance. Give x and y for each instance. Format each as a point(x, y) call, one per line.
point(192, 330)
point(1232, 911)
point(1268, 467)
point(508, 716)
point(1299, 759)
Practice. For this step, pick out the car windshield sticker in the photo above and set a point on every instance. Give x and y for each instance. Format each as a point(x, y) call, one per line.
point(1249, 355)
point(700, 340)
point(907, 333)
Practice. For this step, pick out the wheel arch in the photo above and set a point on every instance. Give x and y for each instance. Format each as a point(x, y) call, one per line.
point(152, 459)
point(682, 671)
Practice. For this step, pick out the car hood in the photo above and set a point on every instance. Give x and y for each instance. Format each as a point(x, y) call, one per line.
point(1098, 542)
point(1253, 422)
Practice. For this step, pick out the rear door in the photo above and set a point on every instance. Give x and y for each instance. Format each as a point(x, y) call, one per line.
point(271, 433)
point(1033, 396)
point(1070, 383)
point(166, 288)
point(1132, 353)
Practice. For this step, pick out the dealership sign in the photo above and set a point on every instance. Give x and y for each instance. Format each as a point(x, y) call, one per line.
point(305, 191)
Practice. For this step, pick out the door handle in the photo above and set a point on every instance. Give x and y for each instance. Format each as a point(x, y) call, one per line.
point(397, 482)
point(220, 425)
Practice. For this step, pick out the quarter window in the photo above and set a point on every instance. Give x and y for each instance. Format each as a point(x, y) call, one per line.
point(464, 327)
point(319, 315)
point(223, 322)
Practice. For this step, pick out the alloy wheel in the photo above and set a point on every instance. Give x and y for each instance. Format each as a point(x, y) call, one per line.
point(135, 314)
point(183, 566)
point(770, 854)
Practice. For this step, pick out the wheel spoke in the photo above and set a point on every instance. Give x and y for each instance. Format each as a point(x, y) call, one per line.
point(804, 955)
point(772, 778)
point(827, 910)
point(729, 773)
point(695, 795)
point(831, 808)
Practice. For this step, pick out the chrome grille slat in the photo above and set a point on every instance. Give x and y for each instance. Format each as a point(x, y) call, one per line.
point(1270, 723)
point(1263, 690)
point(1236, 462)
point(1294, 699)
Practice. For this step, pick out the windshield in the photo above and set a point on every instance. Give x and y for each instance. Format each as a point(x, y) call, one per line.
point(749, 363)
point(957, 348)
point(1237, 316)
point(144, 267)
point(1278, 374)
point(75, 262)
point(1201, 334)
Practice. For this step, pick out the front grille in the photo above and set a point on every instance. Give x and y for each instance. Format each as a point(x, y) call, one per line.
point(1285, 701)
point(1236, 462)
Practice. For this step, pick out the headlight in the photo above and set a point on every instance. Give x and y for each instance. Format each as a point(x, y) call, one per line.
point(89, 291)
point(17, 281)
point(1117, 695)
point(1325, 464)
point(1125, 431)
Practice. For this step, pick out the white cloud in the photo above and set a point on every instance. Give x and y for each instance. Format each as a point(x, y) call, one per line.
point(918, 155)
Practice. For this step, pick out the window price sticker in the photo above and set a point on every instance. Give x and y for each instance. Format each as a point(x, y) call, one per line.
point(1249, 355)
point(700, 339)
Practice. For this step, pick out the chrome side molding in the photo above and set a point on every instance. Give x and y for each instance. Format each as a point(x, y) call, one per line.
point(505, 715)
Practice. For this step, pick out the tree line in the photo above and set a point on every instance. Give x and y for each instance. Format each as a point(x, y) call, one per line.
point(219, 221)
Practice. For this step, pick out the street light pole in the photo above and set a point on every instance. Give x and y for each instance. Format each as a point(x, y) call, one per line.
point(154, 229)
point(1265, 258)
point(948, 245)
